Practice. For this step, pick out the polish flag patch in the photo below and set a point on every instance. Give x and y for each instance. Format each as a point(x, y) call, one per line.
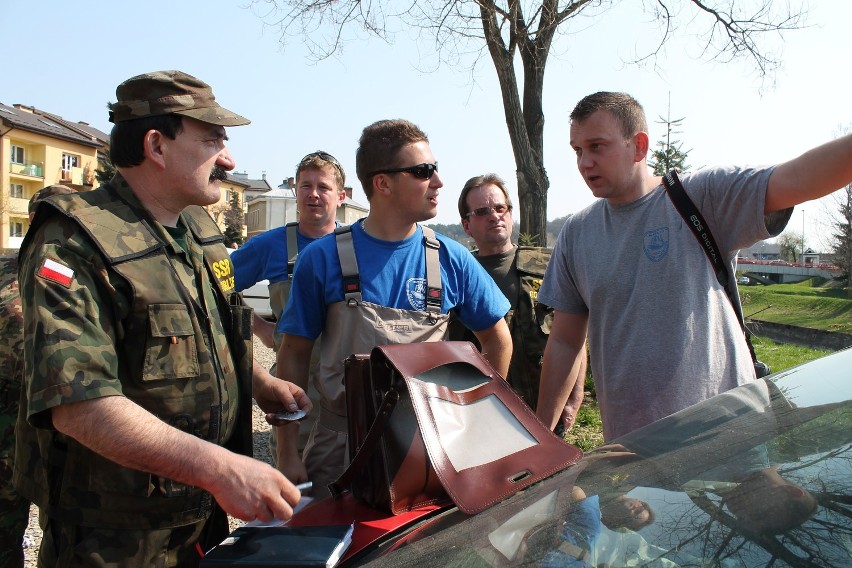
point(56, 272)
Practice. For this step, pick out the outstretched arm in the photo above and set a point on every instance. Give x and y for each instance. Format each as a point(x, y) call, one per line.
point(564, 360)
point(812, 175)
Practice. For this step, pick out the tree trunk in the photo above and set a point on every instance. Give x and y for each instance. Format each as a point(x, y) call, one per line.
point(525, 125)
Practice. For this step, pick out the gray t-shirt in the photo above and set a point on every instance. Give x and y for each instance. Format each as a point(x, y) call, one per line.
point(662, 333)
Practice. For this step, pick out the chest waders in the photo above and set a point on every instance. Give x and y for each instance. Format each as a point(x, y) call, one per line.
point(356, 326)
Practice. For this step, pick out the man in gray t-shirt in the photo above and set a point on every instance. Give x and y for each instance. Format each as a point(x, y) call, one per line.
point(629, 272)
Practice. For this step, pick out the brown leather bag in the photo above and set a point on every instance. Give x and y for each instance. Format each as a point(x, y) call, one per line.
point(430, 422)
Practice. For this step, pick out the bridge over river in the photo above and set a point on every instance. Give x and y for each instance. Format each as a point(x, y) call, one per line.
point(782, 272)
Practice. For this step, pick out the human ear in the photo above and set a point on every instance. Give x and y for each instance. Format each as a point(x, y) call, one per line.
point(640, 144)
point(380, 184)
point(153, 147)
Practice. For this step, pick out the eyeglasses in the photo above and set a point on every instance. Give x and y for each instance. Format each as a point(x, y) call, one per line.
point(420, 171)
point(326, 157)
point(500, 208)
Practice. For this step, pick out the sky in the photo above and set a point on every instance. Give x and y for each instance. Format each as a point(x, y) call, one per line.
point(71, 56)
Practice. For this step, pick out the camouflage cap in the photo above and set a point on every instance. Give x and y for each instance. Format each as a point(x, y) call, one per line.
point(45, 192)
point(170, 92)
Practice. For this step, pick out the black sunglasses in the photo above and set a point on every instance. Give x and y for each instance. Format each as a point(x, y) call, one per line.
point(326, 157)
point(500, 208)
point(421, 171)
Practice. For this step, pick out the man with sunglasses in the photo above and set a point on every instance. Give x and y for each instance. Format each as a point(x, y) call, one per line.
point(486, 215)
point(385, 279)
point(320, 183)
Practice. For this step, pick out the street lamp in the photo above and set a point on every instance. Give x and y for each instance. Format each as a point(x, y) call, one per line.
point(803, 237)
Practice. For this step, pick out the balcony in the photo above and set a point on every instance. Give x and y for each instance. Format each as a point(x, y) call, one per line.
point(30, 169)
point(73, 175)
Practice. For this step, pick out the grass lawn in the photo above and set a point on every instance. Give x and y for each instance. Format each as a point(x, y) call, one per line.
point(813, 303)
point(806, 304)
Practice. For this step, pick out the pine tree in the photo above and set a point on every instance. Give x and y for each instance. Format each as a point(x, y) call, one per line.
point(234, 222)
point(105, 171)
point(669, 154)
point(842, 236)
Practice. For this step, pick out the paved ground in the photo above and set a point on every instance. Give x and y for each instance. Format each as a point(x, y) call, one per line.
point(261, 451)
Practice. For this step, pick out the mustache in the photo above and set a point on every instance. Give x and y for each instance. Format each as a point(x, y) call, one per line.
point(218, 173)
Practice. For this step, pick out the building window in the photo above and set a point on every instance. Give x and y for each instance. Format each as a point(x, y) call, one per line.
point(17, 154)
point(16, 190)
point(69, 161)
point(16, 229)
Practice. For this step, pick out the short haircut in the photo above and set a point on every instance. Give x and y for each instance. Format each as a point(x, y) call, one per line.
point(126, 139)
point(319, 160)
point(479, 181)
point(379, 147)
point(625, 109)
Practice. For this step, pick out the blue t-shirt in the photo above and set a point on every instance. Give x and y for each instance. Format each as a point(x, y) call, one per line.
point(581, 528)
point(264, 257)
point(393, 274)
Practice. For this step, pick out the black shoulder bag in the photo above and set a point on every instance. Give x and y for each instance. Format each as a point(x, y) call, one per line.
point(694, 220)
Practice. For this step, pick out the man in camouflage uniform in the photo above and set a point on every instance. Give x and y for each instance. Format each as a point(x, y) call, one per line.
point(14, 509)
point(138, 370)
point(486, 215)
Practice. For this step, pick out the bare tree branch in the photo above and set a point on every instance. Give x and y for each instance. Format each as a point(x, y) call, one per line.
point(463, 31)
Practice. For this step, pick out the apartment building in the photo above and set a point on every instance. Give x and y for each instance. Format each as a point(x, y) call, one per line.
point(38, 149)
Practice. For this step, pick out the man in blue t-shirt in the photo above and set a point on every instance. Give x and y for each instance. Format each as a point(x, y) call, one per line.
point(320, 183)
point(402, 280)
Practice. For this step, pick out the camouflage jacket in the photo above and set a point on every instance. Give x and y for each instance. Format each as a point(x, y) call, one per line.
point(11, 336)
point(114, 306)
point(529, 322)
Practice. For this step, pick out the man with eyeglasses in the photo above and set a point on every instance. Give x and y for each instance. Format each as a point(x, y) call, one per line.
point(320, 182)
point(385, 279)
point(486, 215)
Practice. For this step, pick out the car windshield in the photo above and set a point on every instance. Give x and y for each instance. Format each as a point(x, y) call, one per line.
point(757, 476)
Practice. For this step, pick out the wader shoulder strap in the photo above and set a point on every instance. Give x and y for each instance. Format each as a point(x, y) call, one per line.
point(352, 279)
point(434, 293)
point(348, 264)
point(291, 230)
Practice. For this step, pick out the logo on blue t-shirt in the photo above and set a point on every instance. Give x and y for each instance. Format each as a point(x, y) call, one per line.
point(656, 244)
point(415, 290)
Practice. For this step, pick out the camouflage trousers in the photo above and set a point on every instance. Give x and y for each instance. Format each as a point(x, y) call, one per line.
point(66, 545)
point(14, 509)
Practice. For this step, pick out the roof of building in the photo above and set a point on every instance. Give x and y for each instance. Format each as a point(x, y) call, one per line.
point(254, 184)
point(236, 180)
point(279, 193)
point(354, 204)
point(40, 122)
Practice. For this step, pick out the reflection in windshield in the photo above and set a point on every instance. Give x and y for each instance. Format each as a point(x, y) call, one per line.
point(749, 480)
point(758, 476)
